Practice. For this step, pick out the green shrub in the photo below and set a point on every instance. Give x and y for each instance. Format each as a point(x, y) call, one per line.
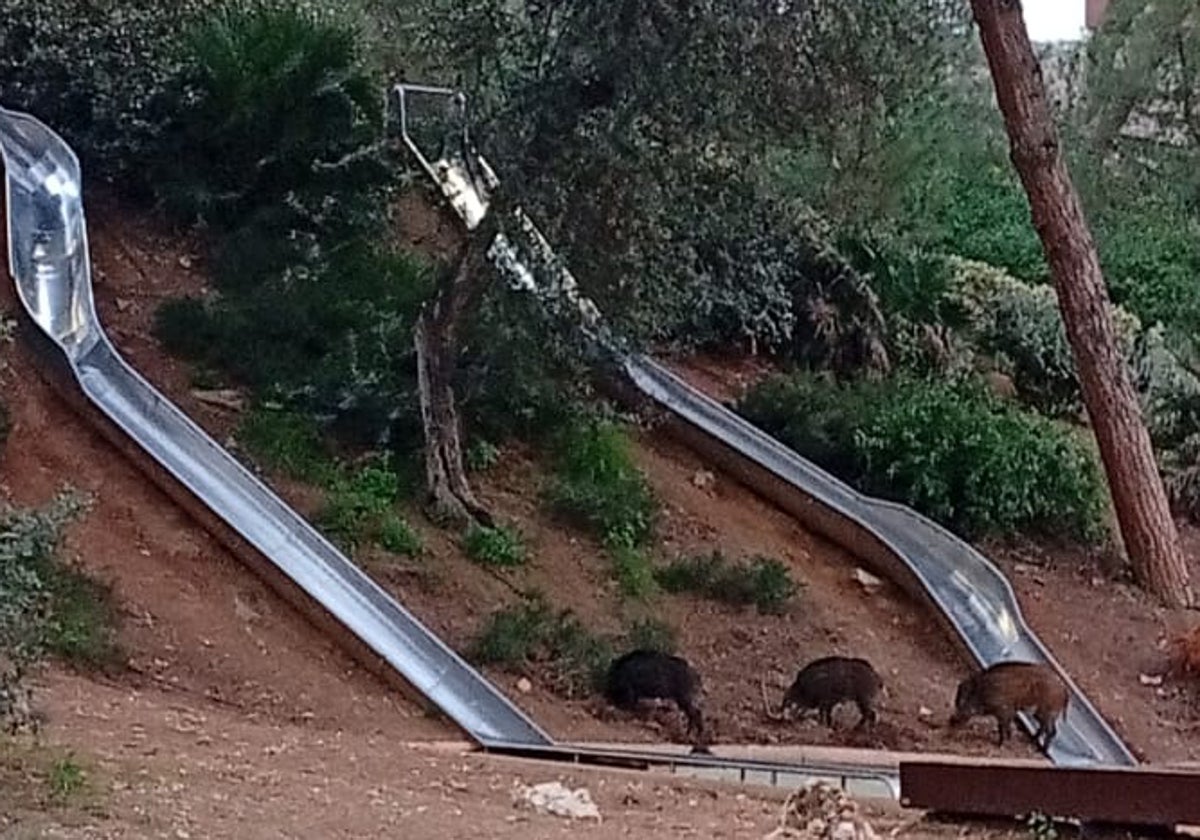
point(950, 451)
point(1151, 257)
point(530, 632)
point(66, 778)
point(289, 442)
point(359, 506)
point(91, 70)
point(498, 546)
point(397, 536)
point(46, 606)
point(634, 574)
point(481, 455)
point(764, 582)
point(1020, 325)
point(597, 484)
point(336, 342)
point(273, 125)
point(650, 634)
point(511, 635)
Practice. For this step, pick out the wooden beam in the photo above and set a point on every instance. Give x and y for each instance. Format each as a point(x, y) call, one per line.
point(1141, 796)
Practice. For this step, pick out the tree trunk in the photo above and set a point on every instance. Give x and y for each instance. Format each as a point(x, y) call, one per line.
point(436, 337)
point(1147, 528)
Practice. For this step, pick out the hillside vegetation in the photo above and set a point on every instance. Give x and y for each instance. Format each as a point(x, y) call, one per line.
point(855, 221)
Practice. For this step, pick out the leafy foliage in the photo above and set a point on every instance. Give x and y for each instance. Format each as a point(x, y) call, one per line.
point(650, 190)
point(338, 342)
point(947, 450)
point(290, 442)
point(597, 484)
point(1019, 327)
point(361, 506)
point(273, 125)
point(631, 564)
point(397, 536)
point(762, 581)
point(91, 71)
point(649, 633)
point(531, 633)
point(498, 546)
point(46, 606)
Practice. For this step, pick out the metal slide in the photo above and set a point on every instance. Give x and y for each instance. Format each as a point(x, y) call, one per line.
point(49, 262)
point(972, 594)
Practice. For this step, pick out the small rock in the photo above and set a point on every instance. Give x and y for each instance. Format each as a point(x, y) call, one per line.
point(704, 479)
point(123, 304)
point(554, 798)
point(1150, 679)
point(924, 712)
point(866, 579)
point(524, 685)
point(185, 261)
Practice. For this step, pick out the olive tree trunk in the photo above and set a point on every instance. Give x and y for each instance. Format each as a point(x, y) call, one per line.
point(1151, 539)
point(437, 340)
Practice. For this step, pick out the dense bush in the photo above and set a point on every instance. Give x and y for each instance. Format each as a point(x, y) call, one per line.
point(48, 607)
point(1150, 252)
point(288, 441)
point(273, 129)
point(361, 507)
point(984, 215)
point(597, 483)
point(1019, 327)
point(496, 546)
point(950, 451)
point(336, 343)
point(531, 632)
point(91, 71)
point(762, 581)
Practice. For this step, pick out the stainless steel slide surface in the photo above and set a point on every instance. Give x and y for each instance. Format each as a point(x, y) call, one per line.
point(967, 587)
point(48, 259)
point(971, 593)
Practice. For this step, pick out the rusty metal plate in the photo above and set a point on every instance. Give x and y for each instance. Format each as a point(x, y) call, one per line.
point(1127, 796)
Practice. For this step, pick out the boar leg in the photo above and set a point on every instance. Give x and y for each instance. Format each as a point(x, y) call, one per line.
point(825, 714)
point(868, 717)
point(1004, 728)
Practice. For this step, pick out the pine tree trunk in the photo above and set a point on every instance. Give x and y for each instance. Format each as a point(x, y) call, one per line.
point(1149, 532)
point(436, 337)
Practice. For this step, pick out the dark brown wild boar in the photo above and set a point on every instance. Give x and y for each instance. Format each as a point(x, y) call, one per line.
point(1007, 688)
point(824, 683)
point(652, 675)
